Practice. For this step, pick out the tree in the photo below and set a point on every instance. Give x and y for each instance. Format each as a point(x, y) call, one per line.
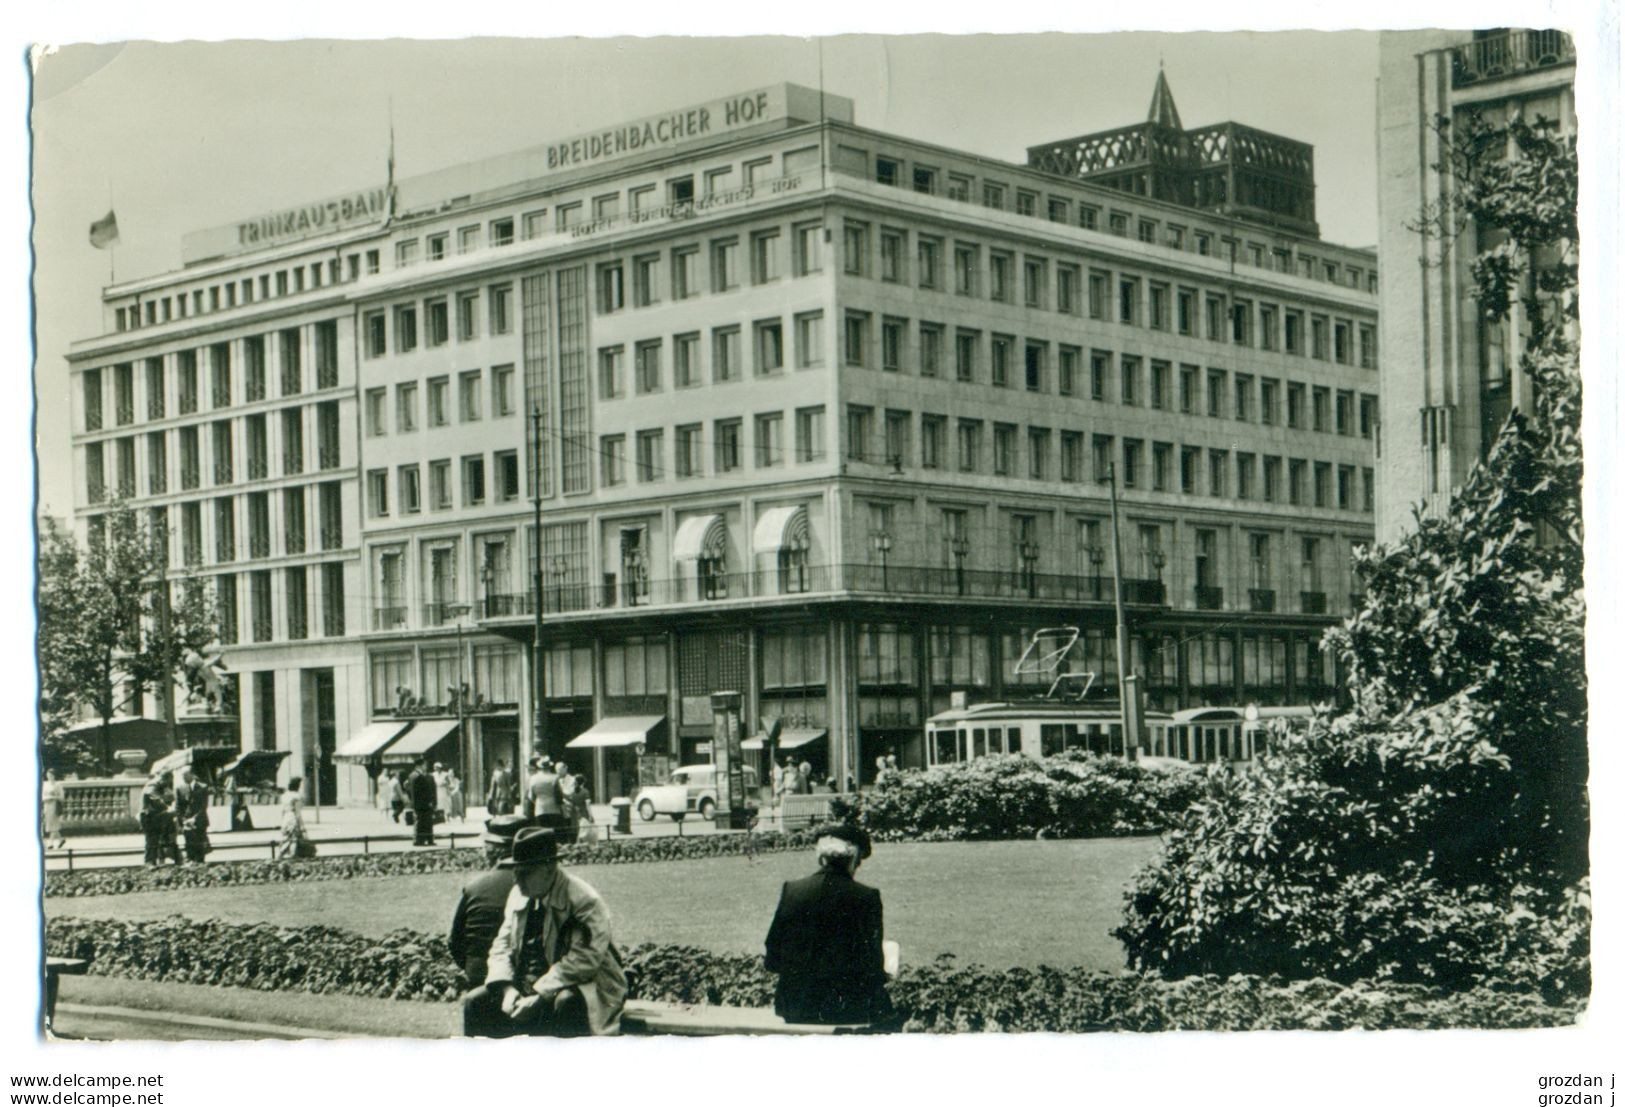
point(100, 637)
point(1437, 830)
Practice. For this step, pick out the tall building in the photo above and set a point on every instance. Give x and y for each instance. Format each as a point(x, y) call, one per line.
point(815, 414)
point(1449, 376)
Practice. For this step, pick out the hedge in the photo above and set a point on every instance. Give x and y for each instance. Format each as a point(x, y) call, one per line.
point(1071, 795)
point(940, 997)
point(102, 882)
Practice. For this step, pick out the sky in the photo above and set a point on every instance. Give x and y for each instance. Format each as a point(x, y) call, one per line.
point(180, 136)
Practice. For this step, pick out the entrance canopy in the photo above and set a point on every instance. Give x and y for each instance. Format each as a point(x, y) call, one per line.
point(780, 528)
point(617, 730)
point(424, 736)
point(254, 763)
point(370, 739)
point(700, 536)
point(790, 738)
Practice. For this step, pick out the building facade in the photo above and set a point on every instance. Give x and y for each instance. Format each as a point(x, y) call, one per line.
point(815, 414)
point(1450, 377)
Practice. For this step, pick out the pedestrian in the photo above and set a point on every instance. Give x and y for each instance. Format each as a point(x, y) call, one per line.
point(804, 777)
point(456, 808)
point(292, 842)
point(383, 791)
point(422, 793)
point(544, 799)
point(192, 816)
point(397, 794)
point(891, 762)
point(52, 799)
point(442, 789)
point(825, 943)
point(484, 902)
point(553, 968)
point(157, 821)
point(880, 766)
point(499, 796)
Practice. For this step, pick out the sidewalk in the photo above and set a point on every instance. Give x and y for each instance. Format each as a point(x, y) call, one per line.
point(335, 830)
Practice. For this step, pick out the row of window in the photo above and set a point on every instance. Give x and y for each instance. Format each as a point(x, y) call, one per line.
point(1087, 289)
point(222, 296)
point(307, 518)
point(471, 480)
point(236, 374)
point(725, 447)
point(235, 455)
point(1084, 211)
point(428, 323)
point(472, 392)
point(303, 615)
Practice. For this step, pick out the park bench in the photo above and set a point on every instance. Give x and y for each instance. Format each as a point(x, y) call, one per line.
point(56, 967)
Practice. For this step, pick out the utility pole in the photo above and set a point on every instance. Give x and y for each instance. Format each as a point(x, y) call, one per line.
point(1128, 685)
point(166, 683)
point(538, 658)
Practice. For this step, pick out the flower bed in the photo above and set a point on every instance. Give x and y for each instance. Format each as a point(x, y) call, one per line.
point(939, 997)
point(102, 882)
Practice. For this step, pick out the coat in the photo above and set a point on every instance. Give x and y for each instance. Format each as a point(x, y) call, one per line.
point(576, 938)
point(825, 944)
point(479, 915)
point(421, 789)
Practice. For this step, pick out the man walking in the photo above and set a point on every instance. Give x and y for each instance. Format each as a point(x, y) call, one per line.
point(499, 797)
point(421, 792)
point(544, 800)
point(553, 969)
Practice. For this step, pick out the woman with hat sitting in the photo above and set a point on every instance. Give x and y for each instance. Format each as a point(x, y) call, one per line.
point(553, 969)
point(826, 939)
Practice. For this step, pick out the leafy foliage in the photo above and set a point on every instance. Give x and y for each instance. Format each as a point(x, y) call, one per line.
point(939, 997)
point(1072, 795)
point(1438, 831)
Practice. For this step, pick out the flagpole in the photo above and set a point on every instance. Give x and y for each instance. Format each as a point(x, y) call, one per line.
point(112, 250)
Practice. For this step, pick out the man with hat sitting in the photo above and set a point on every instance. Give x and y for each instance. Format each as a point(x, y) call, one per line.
point(484, 902)
point(825, 941)
point(552, 968)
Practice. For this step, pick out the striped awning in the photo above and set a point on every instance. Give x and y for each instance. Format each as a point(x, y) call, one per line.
point(701, 536)
point(780, 528)
point(789, 738)
point(616, 730)
point(424, 736)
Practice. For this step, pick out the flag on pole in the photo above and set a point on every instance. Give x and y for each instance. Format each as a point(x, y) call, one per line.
point(104, 232)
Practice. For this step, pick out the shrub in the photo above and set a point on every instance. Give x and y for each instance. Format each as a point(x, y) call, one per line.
point(1073, 795)
point(625, 851)
point(939, 997)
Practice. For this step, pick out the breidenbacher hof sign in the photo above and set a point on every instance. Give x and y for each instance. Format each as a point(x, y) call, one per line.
point(668, 129)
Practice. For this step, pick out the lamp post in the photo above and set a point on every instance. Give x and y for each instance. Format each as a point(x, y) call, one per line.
point(1127, 684)
point(882, 542)
point(561, 569)
point(960, 546)
point(460, 611)
point(1029, 559)
point(1097, 557)
point(538, 734)
point(1158, 560)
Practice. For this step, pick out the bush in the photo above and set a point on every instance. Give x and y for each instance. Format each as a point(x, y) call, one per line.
point(939, 997)
point(1073, 795)
point(102, 882)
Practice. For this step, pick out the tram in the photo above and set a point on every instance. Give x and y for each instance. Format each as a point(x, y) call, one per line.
point(1207, 734)
point(1037, 728)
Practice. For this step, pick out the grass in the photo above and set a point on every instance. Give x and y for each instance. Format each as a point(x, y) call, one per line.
point(1000, 904)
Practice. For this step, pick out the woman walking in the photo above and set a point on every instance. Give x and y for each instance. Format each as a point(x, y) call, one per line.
point(293, 842)
point(456, 807)
point(51, 802)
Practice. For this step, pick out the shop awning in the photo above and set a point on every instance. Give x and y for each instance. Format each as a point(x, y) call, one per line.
point(370, 739)
point(701, 536)
point(780, 528)
point(789, 738)
point(424, 736)
point(254, 763)
point(616, 730)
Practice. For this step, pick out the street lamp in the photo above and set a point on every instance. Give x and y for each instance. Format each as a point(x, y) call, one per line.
point(959, 546)
point(1097, 557)
point(1029, 558)
point(882, 542)
point(1158, 560)
point(561, 569)
point(458, 612)
point(485, 588)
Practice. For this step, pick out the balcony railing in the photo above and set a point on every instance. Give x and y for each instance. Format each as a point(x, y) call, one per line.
point(1503, 55)
point(1313, 603)
point(222, 472)
point(189, 477)
point(891, 580)
point(125, 412)
point(258, 468)
point(388, 618)
point(1261, 599)
point(1209, 599)
point(293, 462)
point(328, 457)
point(332, 536)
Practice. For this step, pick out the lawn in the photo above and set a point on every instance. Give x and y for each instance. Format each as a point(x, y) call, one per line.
point(997, 903)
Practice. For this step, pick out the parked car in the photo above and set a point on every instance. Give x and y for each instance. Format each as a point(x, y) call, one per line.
point(691, 788)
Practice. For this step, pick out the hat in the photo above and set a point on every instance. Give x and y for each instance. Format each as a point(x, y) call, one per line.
point(534, 845)
point(849, 832)
point(500, 829)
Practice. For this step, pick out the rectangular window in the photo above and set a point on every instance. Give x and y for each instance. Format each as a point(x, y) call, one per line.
point(685, 351)
point(764, 257)
point(928, 255)
point(965, 344)
point(1071, 456)
point(468, 316)
point(1323, 484)
point(611, 372)
point(1098, 283)
point(406, 407)
point(970, 445)
point(892, 244)
point(769, 431)
point(1244, 397)
point(439, 401)
point(809, 248)
point(645, 280)
point(1038, 453)
point(1185, 311)
point(1034, 362)
point(378, 493)
point(1004, 449)
point(473, 480)
point(1129, 373)
point(1292, 339)
point(1320, 409)
point(1066, 375)
point(1342, 347)
point(406, 331)
point(1266, 327)
point(999, 362)
point(1162, 454)
point(689, 461)
point(1067, 280)
point(855, 254)
point(998, 276)
point(1215, 319)
point(468, 396)
point(1218, 467)
point(408, 489)
point(933, 432)
point(436, 322)
point(1099, 367)
point(502, 391)
point(646, 367)
point(611, 288)
point(725, 265)
point(1269, 393)
point(1271, 490)
point(612, 455)
point(500, 298)
point(1103, 446)
point(1034, 287)
point(810, 434)
point(1128, 300)
point(930, 350)
point(891, 343)
point(966, 265)
point(857, 337)
point(1297, 472)
point(1215, 393)
point(1294, 406)
point(728, 435)
point(860, 426)
point(1160, 371)
point(376, 403)
point(440, 484)
point(1245, 464)
point(897, 444)
point(725, 355)
point(1133, 450)
point(769, 340)
point(1343, 412)
point(1158, 306)
point(1319, 341)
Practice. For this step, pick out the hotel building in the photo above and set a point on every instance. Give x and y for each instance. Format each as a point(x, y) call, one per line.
point(1450, 377)
point(815, 414)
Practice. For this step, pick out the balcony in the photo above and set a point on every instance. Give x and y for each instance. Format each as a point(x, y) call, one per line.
point(222, 472)
point(1209, 599)
point(1261, 599)
point(328, 456)
point(190, 477)
point(332, 536)
point(293, 463)
point(125, 412)
point(1508, 54)
point(258, 468)
point(388, 618)
point(1313, 603)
